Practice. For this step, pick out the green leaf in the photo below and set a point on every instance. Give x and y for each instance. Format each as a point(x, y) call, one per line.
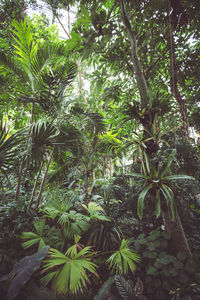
point(105, 288)
point(167, 165)
point(70, 273)
point(22, 272)
point(124, 259)
point(137, 175)
point(175, 177)
point(125, 288)
point(169, 197)
point(158, 204)
point(140, 203)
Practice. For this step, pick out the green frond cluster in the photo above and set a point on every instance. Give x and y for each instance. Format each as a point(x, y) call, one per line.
point(68, 272)
point(124, 259)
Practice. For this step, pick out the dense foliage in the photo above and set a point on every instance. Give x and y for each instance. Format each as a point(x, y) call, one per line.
point(99, 150)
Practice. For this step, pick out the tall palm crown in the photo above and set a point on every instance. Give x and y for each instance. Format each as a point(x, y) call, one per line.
point(43, 71)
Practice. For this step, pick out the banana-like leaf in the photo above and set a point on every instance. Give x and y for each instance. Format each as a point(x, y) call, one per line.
point(140, 203)
point(105, 288)
point(133, 174)
point(22, 272)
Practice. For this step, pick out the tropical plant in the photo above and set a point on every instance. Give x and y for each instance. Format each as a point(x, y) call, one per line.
point(95, 211)
point(35, 238)
point(8, 146)
point(123, 260)
point(158, 181)
point(68, 272)
point(22, 272)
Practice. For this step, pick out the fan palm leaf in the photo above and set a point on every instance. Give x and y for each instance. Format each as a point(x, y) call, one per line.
point(32, 238)
point(8, 146)
point(69, 271)
point(124, 259)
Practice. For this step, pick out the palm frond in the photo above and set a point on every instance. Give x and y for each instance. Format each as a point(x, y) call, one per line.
point(68, 273)
point(8, 146)
point(124, 259)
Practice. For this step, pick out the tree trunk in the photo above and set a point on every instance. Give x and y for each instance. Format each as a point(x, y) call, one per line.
point(176, 231)
point(43, 180)
point(174, 82)
point(139, 75)
point(20, 174)
point(35, 184)
point(173, 227)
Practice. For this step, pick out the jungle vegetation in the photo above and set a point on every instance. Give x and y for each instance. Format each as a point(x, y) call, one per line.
point(99, 150)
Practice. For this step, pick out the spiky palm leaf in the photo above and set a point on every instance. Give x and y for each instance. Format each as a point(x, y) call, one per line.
point(33, 238)
point(34, 64)
point(124, 259)
point(95, 211)
point(8, 146)
point(68, 272)
point(42, 135)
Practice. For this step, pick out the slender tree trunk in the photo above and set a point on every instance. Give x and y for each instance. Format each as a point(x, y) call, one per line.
point(174, 82)
point(20, 174)
point(36, 183)
point(43, 180)
point(176, 231)
point(139, 75)
point(85, 187)
point(63, 27)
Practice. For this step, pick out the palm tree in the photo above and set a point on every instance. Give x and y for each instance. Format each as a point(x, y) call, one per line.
point(42, 81)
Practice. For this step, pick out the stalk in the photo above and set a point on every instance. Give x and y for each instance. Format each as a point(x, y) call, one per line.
point(43, 180)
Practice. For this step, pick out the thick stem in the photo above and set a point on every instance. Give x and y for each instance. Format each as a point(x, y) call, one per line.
point(44, 180)
point(176, 231)
point(139, 75)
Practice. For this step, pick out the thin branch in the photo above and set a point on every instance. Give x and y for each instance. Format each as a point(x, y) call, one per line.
point(63, 27)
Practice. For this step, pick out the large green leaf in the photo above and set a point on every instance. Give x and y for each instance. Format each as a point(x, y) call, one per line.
point(179, 176)
point(68, 272)
point(169, 198)
point(34, 238)
point(22, 272)
point(140, 203)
